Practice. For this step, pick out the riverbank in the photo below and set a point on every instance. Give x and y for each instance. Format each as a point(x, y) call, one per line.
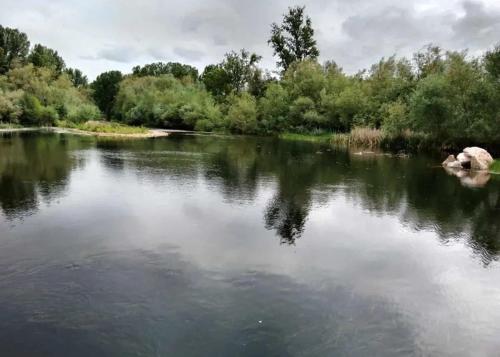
point(367, 138)
point(408, 142)
point(95, 128)
point(145, 134)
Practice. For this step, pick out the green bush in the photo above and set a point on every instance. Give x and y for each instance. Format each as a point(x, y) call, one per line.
point(242, 115)
point(38, 97)
point(164, 101)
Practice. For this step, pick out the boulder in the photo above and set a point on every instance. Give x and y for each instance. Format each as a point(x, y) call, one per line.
point(448, 160)
point(480, 159)
point(455, 164)
point(463, 158)
point(452, 162)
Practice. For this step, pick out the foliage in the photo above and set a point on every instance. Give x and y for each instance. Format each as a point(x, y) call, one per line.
point(14, 47)
point(315, 138)
point(76, 77)
point(105, 88)
point(37, 97)
point(178, 70)
point(492, 62)
point(42, 56)
point(165, 102)
point(395, 117)
point(110, 127)
point(293, 40)
point(242, 115)
point(237, 72)
point(216, 80)
point(274, 108)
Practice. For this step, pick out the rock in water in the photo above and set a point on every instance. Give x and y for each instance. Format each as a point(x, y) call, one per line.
point(452, 162)
point(448, 160)
point(480, 159)
point(463, 158)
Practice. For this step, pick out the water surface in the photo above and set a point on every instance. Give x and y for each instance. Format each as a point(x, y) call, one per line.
point(234, 246)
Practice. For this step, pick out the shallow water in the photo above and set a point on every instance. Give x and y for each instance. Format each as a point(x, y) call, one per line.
point(233, 246)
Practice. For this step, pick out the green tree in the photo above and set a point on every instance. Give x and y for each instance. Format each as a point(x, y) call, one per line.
point(429, 61)
point(42, 56)
point(274, 108)
point(240, 67)
point(77, 77)
point(105, 88)
point(293, 40)
point(14, 47)
point(165, 101)
point(36, 96)
point(242, 114)
point(395, 117)
point(216, 80)
point(178, 70)
point(492, 62)
point(306, 79)
point(431, 107)
point(236, 73)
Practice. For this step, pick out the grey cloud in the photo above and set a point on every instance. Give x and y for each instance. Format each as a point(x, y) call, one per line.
point(189, 54)
point(219, 41)
point(158, 54)
point(401, 30)
point(118, 54)
point(479, 26)
point(113, 34)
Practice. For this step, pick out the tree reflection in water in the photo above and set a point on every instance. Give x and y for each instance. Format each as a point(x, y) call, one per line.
point(35, 167)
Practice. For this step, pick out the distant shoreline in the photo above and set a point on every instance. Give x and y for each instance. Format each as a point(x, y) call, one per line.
point(151, 133)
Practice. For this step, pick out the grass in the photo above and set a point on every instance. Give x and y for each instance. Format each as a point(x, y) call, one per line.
point(316, 138)
point(104, 127)
point(358, 137)
point(495, 167)
point(369, 138)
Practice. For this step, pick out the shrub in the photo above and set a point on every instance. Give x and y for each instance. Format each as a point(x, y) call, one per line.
point(242, 114)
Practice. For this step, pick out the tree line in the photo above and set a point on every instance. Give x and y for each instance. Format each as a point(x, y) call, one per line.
point(447, 95)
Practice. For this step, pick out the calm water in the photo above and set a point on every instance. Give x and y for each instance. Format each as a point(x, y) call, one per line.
point(213, 246)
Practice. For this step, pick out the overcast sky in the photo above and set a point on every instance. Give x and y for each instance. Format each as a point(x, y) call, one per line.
point(100, 35)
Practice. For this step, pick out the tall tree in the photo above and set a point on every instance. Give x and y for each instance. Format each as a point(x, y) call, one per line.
point(14, 46)
point(293, 40)
point(42, 56)
point(106, 87)
point(77, 77)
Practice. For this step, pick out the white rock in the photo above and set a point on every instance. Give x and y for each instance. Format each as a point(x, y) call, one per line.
point(455, 164)
point(449, 159)
point(463, 158)
point(480, 159)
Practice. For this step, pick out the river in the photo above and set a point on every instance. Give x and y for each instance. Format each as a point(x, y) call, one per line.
point(238, 246)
